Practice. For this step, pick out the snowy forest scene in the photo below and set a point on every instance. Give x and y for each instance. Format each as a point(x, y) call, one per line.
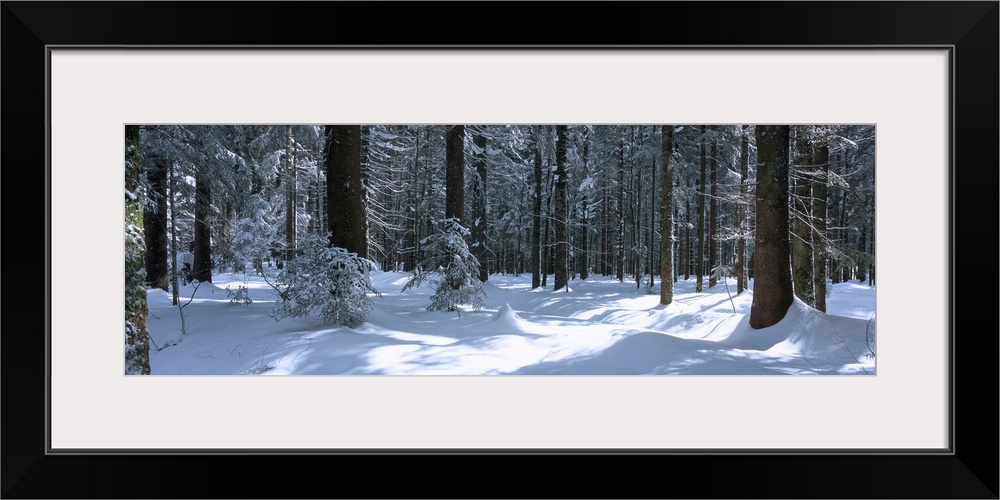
point(606, 249)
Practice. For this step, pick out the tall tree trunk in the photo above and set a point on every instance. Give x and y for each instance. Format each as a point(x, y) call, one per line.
point(699, 267)
point(202, 268)
point(174, 243)
point(584, 250)
point(686, 254)
point(411, 257)
point(290, 180)
point(561, 250)
point(713, 211)
point(652, 222)
point(546, 240)
point(479, 205)
point(536, 228)
point(136, 307)
point(154, 218)
point(741, 243)
point(844, 234)
point(347, 217)
point(667, 217)
point(822, 160)
point(454, 205)
point(802, 258)
point(366, 133)
point(638, 266)
point(620, 236)
point(773, 293)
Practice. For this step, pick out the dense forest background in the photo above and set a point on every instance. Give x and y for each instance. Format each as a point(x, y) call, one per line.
point(648, 204)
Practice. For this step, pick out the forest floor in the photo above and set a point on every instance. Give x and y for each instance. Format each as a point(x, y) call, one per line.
point(598, 327)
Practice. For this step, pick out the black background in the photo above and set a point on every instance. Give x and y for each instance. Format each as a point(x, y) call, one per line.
point(970, 472)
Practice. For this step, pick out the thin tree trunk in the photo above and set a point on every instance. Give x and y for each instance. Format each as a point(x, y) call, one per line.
point(667, 217)
point(741, 243)
point(652, 222)
point(822, 157)
point(802, 258)
point(687, 233)
point(584, 250)
point(713, 211)
point(536, 229)
point(479, 206)
point(289, 195)
point(561, 250)
point(202, 268)
point(699, 267)
point(620, 237)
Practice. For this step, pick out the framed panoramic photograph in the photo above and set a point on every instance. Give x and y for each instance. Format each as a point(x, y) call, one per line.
point(358, 247)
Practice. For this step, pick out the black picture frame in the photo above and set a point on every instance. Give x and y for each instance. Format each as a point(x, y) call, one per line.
point(968, 470)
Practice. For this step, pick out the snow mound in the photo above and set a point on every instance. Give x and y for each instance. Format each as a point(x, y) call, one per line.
point(506, 319)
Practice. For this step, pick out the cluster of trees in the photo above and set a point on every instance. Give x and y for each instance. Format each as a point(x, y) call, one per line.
point(635, 202)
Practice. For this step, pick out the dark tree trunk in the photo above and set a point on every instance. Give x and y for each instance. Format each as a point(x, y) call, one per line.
point(741, 243)
point(561, 250)
point(536, 228)
point(713, 213)
point(819, 202)
point(202, 268)
point(773, 293)
point(802, 257)
point(667, 217)
point(348, 220)
point(154, 219)
point(699, 266)
point(479, 206)
point(454, 204)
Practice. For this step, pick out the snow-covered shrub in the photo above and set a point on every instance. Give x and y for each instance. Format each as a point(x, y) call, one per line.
point(451, 267)
point(331, 282)
point(240, 296)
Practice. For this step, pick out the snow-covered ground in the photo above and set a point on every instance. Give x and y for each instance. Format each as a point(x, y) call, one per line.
point(599, 327)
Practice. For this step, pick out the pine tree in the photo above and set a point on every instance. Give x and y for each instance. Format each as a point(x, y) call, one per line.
point(451, 268)
point(329, 281)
